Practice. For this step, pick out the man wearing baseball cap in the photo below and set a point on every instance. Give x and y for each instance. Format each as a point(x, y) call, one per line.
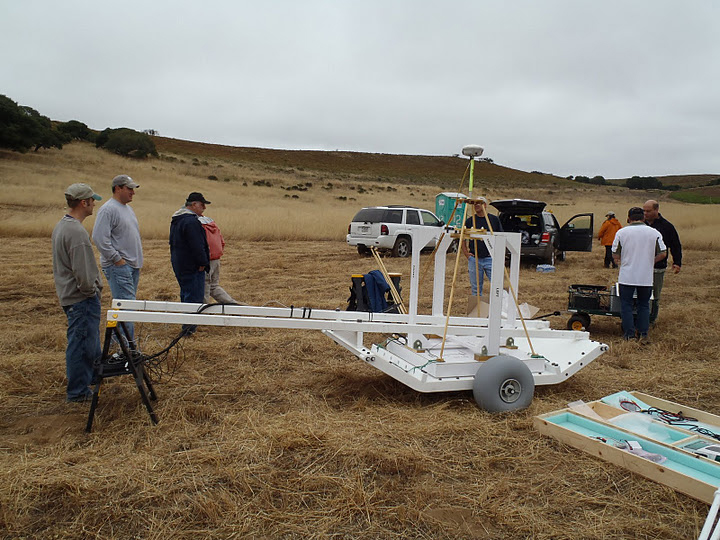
point(117, 237)
point(189, 252)
point(637, 248)
point(78, 286)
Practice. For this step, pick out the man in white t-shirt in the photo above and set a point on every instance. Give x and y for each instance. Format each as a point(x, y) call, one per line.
point(637, 248)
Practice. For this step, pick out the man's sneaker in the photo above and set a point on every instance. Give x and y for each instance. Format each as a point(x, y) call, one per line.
point(644, 340)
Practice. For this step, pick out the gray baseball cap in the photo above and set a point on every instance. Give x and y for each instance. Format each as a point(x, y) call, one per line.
point(124, 180)
point(80, 192)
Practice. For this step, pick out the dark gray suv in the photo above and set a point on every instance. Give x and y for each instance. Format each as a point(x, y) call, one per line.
point(542, 236)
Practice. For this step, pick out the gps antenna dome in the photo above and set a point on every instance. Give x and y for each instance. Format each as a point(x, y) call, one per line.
point(472, 150)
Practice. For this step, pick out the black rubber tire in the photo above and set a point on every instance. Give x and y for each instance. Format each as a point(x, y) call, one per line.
point(586, 320)
point(577, 322)
point(503, 384)
point(403, 247)
point(363, 250)
point(551, 259)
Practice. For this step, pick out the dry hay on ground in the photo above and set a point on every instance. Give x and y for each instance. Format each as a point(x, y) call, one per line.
point(284, 434)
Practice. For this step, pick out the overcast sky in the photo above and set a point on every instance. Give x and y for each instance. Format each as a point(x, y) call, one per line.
point(611, 87)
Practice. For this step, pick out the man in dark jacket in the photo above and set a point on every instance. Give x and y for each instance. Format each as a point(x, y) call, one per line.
point(189, 252)
point(672, 241)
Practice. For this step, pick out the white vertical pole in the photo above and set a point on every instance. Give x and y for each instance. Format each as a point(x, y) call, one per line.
point(496, 293)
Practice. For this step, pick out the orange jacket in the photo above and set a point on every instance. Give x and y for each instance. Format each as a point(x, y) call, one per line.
point(606, 235)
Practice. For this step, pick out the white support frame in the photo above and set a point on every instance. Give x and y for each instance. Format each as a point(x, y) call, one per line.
point(412, 359)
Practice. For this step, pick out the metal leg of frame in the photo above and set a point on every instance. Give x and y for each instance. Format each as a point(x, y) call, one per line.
point(134, 366)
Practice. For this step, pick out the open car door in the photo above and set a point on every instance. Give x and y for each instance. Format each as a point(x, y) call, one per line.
point(576, 234)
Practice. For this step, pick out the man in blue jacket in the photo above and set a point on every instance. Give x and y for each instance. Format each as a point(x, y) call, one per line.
point(189, 251)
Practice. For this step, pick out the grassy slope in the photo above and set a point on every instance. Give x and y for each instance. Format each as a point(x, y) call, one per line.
point(396, 167)
point(379, 167)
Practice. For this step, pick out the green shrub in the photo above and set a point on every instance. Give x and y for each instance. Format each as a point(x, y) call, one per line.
point(647, 182)
point(76, 130)
point(22, 128)
point(126, 142)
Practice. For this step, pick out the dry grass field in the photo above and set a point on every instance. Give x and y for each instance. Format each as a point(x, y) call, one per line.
point(283, 434)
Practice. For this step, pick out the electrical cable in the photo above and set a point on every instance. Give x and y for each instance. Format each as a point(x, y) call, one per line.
point(677, 419)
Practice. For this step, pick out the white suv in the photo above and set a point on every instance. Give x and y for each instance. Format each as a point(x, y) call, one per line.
point(390, 228)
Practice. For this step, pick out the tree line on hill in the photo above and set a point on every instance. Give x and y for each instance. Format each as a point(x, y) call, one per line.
point(23, 128)
point(636, 182)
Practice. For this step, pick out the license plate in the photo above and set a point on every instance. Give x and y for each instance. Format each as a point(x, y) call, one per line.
point(364, 229)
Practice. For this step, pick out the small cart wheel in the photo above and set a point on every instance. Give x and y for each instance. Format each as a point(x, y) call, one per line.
point(502, 384)
point(586, 321)
point(578, 322)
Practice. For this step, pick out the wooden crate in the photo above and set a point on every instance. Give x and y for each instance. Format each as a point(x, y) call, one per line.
point(684, 471)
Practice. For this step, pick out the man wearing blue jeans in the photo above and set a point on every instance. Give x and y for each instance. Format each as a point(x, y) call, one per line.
point(479, 259)
point(117, 237)
point(637, 248)
point(78, 286)
point(189, 252)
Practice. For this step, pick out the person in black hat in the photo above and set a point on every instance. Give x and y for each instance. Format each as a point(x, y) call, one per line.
point(637, 248)
point(189, 253)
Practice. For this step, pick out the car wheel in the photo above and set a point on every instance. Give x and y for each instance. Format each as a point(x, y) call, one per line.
point(363, 250)
point(551, 258)
point(403, 247)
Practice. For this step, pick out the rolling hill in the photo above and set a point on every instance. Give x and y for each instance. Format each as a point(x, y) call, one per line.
point(398, 168)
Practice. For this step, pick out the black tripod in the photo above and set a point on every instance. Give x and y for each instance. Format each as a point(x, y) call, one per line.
point(129, 362)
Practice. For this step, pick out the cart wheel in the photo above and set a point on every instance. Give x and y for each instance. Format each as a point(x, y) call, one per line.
point(586, 320)
point(502, 384)
point(579, 321)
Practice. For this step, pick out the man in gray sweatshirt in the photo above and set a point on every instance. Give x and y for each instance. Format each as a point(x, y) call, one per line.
point(78, 286)
point(117, 237)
